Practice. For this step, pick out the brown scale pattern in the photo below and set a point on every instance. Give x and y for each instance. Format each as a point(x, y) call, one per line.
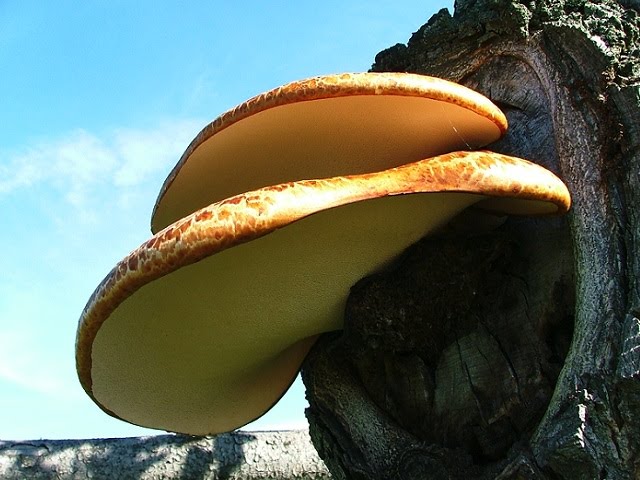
point(251, 215)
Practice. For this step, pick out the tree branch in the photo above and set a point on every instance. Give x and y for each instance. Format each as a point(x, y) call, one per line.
point(238, 455)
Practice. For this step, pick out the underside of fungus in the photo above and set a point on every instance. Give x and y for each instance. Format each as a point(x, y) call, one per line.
point(203, 327)
point(324, 127)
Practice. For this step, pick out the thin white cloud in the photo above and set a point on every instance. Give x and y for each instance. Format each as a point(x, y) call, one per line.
point(78, 163)
point(18, 173)
point(20, 365)
point(145, 152)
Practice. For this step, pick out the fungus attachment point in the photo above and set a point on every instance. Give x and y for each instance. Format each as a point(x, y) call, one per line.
point(203, 328)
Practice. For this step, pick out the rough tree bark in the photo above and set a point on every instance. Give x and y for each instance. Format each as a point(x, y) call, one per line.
point(507, 349)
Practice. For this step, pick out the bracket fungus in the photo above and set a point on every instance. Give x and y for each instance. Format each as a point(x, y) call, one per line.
point(324, 127)
point(203, 328)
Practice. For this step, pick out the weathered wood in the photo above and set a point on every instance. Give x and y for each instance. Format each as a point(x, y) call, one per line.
point(514, 351)
point(238, 455)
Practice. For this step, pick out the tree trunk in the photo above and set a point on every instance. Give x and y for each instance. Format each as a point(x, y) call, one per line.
point(507, 348)
point(239, 455)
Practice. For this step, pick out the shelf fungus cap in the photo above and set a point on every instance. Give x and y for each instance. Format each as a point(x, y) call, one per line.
point(323, 127)
point(203, 328)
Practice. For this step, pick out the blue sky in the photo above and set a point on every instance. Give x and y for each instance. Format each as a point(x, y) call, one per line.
point(98, 100)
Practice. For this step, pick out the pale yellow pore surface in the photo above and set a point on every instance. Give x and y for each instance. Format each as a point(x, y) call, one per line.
point(319, 139)
point(213, 345)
